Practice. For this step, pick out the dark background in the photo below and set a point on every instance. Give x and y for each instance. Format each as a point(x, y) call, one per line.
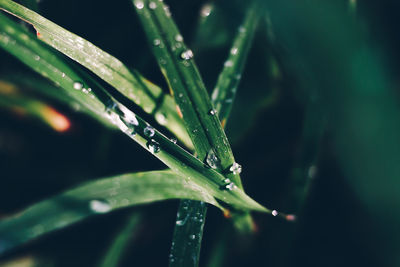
point(343, 222)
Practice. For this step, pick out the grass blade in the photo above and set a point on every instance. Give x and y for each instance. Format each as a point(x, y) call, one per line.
point(228, 81)
point(132, 85)
point(41, 59)
point(98, 197)
point(181, 73)
point(17, 41)
point(117, 248)
point(201, 120)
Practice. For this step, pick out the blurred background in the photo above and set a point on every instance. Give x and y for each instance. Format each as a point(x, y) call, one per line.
point(315, 125)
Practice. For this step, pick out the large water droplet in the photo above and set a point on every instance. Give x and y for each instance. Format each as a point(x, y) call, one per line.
point(153, 146)
point(78, 85)
point(99, 206)
point(212, 160)
point(149, 131)
point(274, 213)
point(236, 168)
point(186, 55)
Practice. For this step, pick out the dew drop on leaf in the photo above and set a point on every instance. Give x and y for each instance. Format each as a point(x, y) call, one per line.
point(149, 131)
point(78, 85)
point(274, 213)
point(99, 206)
point(187, 54)
point(178, 38)
point(153, 146)
point(211, 159)
point(139, 4)
point(230, 186)
point(236, 168)
point(156, 42)
point(152, 5)
point(213, 112)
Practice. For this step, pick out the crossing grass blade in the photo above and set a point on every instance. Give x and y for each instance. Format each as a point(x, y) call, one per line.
point(224, 92)
point(41, 59)
point(176, 63)
point(132, 85)
point(99, 197)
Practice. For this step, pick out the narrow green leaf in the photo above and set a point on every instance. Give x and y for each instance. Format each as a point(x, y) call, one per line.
point(37, 56)
point(16, 40)
point(228, 81)
point(102, 196)
point(132, 85)
point(177, 65)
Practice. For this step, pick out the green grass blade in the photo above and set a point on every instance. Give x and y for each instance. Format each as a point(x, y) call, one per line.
point(98, 197)
point(228, 81)
point(17, 41)
point(181, 73)
point(188, 231)
point(132, 85)
point(41, 59)
point(117, 248)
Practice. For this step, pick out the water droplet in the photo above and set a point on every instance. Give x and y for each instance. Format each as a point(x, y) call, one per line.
point(128, 116)
point(211, 159)
point(156, 42)
point(180, 222)
point(153, 146)
point(234, 50)
point(178, 38)
point(230, 186)
point(213, 112)
point(193, 237)
point(186, 55)
point(174, 140)
point(227, 181)
point(149, 131)
point(236, 168)
point(85, 91)
point(139, 4)
point(63, 75)
point(99, 206)
point(37, 57)
point(78, 85)
point(152, 5)
point(228, 63)
point(274, 213)
point(206, 10)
